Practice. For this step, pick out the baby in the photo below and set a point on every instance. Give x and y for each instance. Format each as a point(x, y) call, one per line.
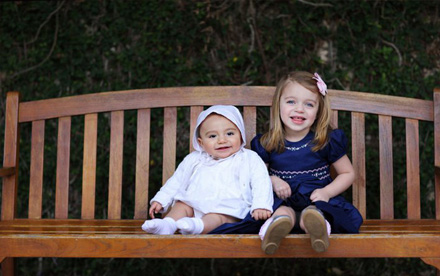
point(220, 182)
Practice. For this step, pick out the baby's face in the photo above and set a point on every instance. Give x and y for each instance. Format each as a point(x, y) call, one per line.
point(219, 137)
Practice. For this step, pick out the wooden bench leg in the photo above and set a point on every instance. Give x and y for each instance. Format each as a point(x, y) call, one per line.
point(7, 266)
point(435, 262)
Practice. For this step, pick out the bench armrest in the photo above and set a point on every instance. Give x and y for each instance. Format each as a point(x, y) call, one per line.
point(7, 171)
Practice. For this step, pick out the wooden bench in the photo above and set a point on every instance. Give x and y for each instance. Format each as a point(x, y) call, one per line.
point(72, 233)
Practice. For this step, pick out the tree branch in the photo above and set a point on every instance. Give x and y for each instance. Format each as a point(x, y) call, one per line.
point(395, 48)
point(315, 4)
point(51, 49)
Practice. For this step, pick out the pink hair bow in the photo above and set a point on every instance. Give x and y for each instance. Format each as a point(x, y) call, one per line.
point(321, 84)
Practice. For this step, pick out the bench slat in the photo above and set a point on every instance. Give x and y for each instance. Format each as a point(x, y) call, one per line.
point(115, 170)
point(413, 168)
point(142, 163)
point(334, 121)
point(169, 143)
point(250, 121)
point(437, 150)
point(194, 113)
point(10, 156)
point(358, 160)
point(62, 174)
point(124, 238)
point(89, 166)
point(386, 167)
point(36, 169)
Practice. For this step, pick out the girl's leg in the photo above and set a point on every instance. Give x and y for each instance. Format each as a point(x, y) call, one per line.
point(203, 225)
point(313, 222)
point(276, 228)
point(167, 226)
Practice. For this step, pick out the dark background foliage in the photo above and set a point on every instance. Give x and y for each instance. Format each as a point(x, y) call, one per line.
point(61, 48)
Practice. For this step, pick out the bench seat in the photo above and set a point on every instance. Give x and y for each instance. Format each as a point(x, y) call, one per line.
point(125, 238)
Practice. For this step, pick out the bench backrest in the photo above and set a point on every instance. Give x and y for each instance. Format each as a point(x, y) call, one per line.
point(160, 113)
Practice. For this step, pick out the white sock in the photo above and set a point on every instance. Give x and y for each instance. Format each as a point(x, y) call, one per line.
point(329, 228)
point(189, 226)
point(263, 228)
point(166, 226)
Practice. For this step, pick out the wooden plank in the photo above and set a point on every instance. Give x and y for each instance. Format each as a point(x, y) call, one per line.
point(435, 262)
point(194, 114)
point(89, 166)
point(10, 156)
point(358, 159)
point(8, 267)
point(334, 119)
point(130, 245)
point(7, 171)
point(63, 165)
point(413, 169)
point(250, 121)
point(146, 98)
point(386, 167)
point(381, 104)
point(437, 150)
point(142, 163)
point(204, 96)
point(36, 170)
point(115, 167)
point(132, 225)
point(169, 143)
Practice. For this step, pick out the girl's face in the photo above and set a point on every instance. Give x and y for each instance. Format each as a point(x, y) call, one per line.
point(298, 109)
point(219, 137)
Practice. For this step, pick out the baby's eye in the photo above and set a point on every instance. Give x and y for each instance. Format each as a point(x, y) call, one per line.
point(230, 133)
point(212, 136)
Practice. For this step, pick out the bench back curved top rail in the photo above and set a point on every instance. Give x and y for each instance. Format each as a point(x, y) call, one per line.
point(206, 96)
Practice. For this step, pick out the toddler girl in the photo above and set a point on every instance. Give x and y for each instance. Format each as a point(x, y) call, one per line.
point(299, 149)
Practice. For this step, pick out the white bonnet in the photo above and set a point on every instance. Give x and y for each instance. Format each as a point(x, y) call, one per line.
point(228, 111)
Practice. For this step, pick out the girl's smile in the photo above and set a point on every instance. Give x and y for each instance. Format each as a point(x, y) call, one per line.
point(298, 110)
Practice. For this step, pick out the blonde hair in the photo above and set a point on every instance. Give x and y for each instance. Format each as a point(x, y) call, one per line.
point(274, 138)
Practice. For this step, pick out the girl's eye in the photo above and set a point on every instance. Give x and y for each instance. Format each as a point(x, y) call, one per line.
point(310, 105)
point(212, 136)
point(290, 101)
point(230, 133)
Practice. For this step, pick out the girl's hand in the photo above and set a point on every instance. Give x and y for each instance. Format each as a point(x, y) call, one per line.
point(281, 187)
point(155, 208)
point(258, 214)
point(319, 195)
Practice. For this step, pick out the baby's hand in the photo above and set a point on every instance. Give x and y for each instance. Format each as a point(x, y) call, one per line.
point(155, 208)
point(281, 187)
point(319, 195)
point(258, 214)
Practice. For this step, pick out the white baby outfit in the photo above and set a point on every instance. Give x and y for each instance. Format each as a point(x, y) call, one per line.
point(233, 186)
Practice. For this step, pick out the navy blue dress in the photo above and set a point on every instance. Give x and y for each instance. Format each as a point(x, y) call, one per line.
point(305, 171)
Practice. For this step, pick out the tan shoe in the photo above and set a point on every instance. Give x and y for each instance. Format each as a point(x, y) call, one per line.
point(314, 223)
point(277, 230)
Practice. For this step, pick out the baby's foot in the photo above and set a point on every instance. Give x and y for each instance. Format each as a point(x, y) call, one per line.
point(190, 226)
point(318, 228)
point(166, 226)
point(273, 231)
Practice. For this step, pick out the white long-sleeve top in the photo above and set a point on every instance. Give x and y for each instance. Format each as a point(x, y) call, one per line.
point(231, 186)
